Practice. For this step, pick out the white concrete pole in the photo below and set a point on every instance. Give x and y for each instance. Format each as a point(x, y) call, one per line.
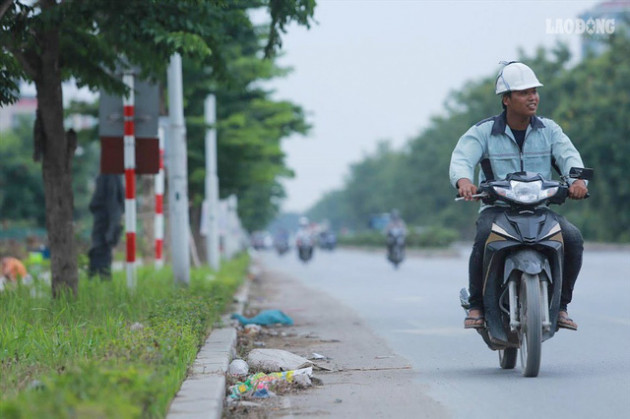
point(212, 186)
point(231, 242)
point(178, 174)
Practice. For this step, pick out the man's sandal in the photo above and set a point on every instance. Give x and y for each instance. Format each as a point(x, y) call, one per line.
point(565, 322)
point(474, 320)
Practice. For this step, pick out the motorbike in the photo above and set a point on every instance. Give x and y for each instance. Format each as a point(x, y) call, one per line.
point(282, 246)
point(396, 246)
point(305, 248)
point(327, 240)
point(522, 267)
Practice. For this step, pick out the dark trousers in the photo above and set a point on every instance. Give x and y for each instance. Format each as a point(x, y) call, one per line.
point(100, 253)
point(573, 249)
point(100, 262)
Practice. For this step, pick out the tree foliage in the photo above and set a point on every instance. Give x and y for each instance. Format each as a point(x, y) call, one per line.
point(21, 186)
point(249, 130)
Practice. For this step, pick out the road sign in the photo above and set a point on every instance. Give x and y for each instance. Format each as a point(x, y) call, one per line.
point(111, 130)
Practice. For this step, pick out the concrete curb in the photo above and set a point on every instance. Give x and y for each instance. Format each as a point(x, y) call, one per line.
point(202, 393)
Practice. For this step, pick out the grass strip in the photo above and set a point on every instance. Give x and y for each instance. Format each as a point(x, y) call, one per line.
point(113, 352)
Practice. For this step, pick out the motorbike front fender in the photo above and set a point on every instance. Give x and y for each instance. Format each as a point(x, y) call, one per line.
point(527, 261)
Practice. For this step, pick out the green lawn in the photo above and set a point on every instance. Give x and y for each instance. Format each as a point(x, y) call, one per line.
point(113, 352)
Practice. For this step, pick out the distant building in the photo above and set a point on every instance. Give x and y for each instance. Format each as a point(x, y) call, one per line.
point(10, 115)
point(605, 18)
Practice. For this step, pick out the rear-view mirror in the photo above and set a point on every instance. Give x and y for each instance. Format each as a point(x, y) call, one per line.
point(581, 173)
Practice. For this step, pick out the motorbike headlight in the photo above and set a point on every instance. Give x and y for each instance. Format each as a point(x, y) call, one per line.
point(526, 192)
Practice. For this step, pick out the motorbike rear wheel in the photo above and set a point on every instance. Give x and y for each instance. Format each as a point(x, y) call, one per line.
point(396, 255)
point(507, 358)
point(530, 317)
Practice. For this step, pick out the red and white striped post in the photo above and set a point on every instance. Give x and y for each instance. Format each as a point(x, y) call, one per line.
point(159, 205)
point(130, 179)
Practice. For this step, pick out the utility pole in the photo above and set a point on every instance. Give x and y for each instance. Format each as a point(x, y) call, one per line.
point(178, 174)
point(212, 186)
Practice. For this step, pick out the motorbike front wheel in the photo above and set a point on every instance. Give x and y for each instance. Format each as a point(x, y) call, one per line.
point(507, 358)
point(531, 324)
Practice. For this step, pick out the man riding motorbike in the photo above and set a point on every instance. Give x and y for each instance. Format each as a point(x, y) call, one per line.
point(281, 241)
point(304, 239)
point(516, 140)
point(395, 228)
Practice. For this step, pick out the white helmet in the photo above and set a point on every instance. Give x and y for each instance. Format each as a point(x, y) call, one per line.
point(516, 76)
point(303, 221)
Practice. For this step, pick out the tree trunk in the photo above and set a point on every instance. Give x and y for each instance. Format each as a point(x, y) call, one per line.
point(57, 151)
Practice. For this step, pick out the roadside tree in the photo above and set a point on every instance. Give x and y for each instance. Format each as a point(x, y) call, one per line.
point(50, 41)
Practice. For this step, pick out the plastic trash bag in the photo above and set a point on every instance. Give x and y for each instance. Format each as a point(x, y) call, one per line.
point(269, 360)
point(258, 385)
point(265, 318)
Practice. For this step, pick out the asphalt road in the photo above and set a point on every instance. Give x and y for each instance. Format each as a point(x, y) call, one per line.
point(415, 309)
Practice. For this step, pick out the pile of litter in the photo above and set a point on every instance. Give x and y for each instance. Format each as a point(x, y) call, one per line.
point(277, 370)
point(260, 385)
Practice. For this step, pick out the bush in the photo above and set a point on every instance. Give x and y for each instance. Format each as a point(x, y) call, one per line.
point(370, 238)
point(432, 237)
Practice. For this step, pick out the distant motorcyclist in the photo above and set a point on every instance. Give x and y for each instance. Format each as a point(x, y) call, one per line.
point(281, 240)
point(516, 140)
point(327, 239)
point(304, 239)
point(395, 228)
point(304, 230)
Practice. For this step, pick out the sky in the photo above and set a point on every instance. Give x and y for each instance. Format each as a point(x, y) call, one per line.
point(373, 70)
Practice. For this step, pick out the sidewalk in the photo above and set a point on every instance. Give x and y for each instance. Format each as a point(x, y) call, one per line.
point(366, 378)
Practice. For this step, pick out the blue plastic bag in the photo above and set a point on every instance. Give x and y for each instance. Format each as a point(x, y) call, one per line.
point(265, 318)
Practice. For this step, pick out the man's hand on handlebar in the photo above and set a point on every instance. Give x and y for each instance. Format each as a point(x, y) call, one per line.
point(578, 189)
point(466, 189)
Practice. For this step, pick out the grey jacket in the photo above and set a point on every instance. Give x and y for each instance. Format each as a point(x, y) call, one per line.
point(492, 139)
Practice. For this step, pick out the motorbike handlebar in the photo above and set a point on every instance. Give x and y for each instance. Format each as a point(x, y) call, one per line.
point(476, 196)
point(488, 196)
point(487, 191)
